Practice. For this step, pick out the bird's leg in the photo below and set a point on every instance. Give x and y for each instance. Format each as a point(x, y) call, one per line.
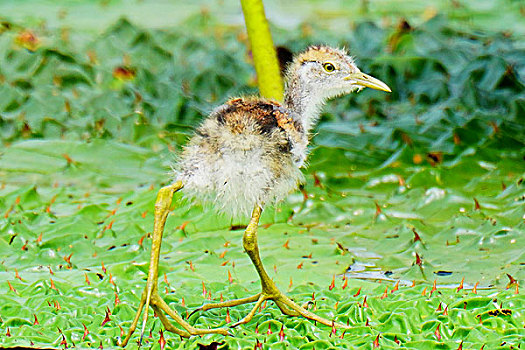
point(150, 296)
point(269, 289)
point(251, 247)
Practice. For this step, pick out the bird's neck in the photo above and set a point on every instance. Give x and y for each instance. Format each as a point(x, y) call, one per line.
point(303, 100)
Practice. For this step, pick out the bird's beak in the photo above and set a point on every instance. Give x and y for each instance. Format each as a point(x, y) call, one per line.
point(366, 80)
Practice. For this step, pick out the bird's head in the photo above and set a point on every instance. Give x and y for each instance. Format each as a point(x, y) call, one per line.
point(330, 72)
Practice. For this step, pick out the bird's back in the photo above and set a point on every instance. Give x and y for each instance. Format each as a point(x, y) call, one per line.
point(247, 152)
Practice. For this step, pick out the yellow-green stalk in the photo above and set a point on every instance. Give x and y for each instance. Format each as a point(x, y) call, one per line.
point(263, 51)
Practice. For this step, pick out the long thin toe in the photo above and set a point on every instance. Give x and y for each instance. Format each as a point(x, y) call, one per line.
point(195, 311)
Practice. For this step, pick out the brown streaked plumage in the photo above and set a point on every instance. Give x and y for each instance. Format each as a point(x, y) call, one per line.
point(242, 155)
point(247, 154)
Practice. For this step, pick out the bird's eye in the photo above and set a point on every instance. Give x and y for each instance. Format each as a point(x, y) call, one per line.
point(328, 67)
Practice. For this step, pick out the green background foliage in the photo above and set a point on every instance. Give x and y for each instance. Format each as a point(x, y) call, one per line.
point(92, 115)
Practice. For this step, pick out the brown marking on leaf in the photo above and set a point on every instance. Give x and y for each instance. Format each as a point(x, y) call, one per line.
point(460, 287)
point(230, 278)
point(333, 332)
point(378, 209)
point(419, 262)
point(64, 341)
point(376, 342)
point(117, 300)
point(124, 73)
point(17, 276)
point(86, 332)
point(475, 289)
point(437, 333)
point(460, 347)
point(106, 319)
point(305, 194)
point(396, 287)
point(424, 292)
point(88, 282)
point(182, 227)
point(358, 292)
point(416, 236)
point(435, 158)
point(406, 139)
point(103, 267)
point(434, 288)
point(300, 266)
point(385, 293)
point(512, 281)
point(35, 322)
point(365, 304)
point(286, 244)
point(281, 334)
point(52, 284)
point(228, 318)
point(495, 127)
point(476, 204)
point(28, 40)
point(68, 158)
point(417, 158)
point(332, 285)
point(317, 181)
point(457, 139)
point(67, 258)
point(162, 341)
point(345, 284)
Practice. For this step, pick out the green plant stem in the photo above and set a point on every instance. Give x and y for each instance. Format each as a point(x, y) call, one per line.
point(263, 50)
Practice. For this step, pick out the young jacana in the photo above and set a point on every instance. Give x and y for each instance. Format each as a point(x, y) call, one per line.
point(246, 154)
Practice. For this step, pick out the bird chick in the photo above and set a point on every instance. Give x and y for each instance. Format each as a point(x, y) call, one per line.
point(249, 151)
point(247, 154)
